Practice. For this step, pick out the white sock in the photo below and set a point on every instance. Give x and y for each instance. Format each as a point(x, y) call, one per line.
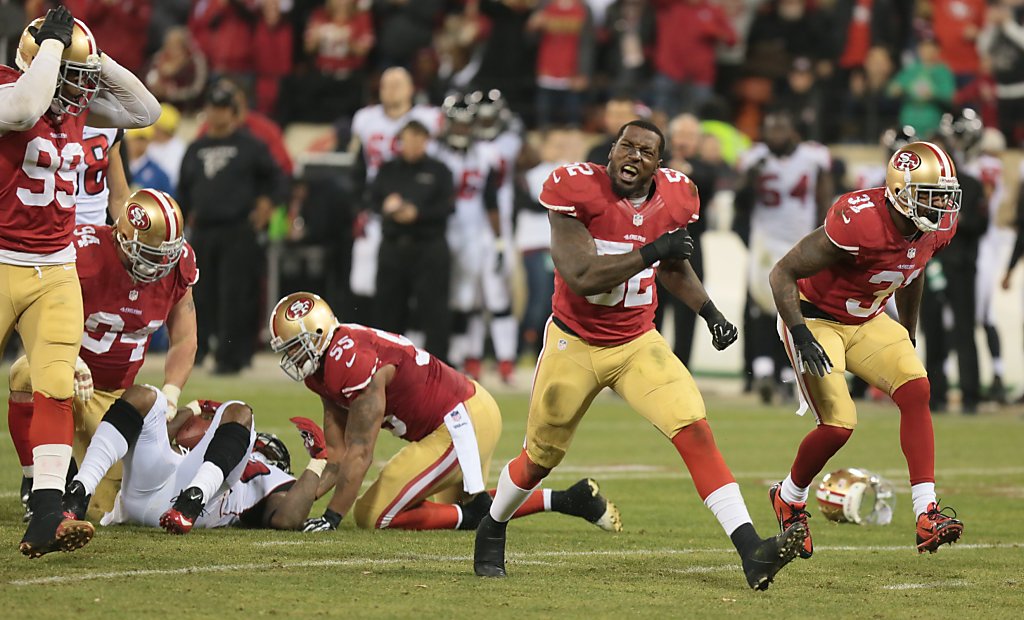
point(508, 497)
point(208, 479)
point(546, 493)
point(792, 494)
point(998, 367)
point(107, 447)
point(922, 494)
point(458, 509)
point(26, 471)
point(727, 505)
point(763, 367)
point(504, 336)
point(476, 335)
point(50, 463)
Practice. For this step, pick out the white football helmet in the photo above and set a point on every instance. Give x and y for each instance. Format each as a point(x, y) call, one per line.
point(301, 327)
point(149, 232)
point(858, 496)
point(79, 77)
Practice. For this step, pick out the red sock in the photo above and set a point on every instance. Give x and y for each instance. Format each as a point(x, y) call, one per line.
point(519, 472)
point(534, 504)
point(52, 422)
point(696, 445)
point(427, 516)
point(815, 450)
point(916, 436)
point(19, 420)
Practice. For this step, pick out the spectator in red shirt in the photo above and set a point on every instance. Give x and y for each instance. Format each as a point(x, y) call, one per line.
point(957, 24)
point(688, 32)
point(178, 71)
point(565, 59)
point(223, 29)
point(272, 41)
point(120, 27)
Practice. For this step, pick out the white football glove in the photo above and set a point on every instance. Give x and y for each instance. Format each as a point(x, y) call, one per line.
point(83, 380)
point(172, 393)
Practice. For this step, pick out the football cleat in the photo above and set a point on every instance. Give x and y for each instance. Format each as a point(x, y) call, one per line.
point(473, 511)
point(788, 514)
point(586, 501)
point(772, 554)
point(489, 552)
point(26, 494)
point(934, 528)
point(76, 501)
point(187, 507)
point(51, 530)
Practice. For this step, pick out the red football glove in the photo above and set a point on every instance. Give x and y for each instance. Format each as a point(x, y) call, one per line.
point(312, 437)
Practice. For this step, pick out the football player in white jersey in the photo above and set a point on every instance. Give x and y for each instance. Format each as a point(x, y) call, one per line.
point(787, 189)
point(102, 183)
point(375, 136)
point(479, 277)
point(228, 474)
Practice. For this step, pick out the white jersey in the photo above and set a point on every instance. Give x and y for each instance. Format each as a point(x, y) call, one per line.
point(989, 170)
point(470, 170)
point(259, 479)
point(93, 187)
point(507, 146)
point(378, 132)
point(785, 209)
point(868, 176)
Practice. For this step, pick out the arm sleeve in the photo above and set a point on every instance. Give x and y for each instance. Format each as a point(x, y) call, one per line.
point(123, 101)
point(24, 101)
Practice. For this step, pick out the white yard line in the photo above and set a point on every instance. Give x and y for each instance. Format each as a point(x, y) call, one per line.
point(533, 558)
point(953, 583)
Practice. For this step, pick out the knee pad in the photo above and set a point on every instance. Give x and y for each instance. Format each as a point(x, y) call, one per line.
point(123, 416)
point(20, 376)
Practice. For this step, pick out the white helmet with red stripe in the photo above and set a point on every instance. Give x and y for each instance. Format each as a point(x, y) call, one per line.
point(149, 232)
point(79, 77)
point(921, 183)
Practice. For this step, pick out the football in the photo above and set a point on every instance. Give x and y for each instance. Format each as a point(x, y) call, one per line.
point(192, 431)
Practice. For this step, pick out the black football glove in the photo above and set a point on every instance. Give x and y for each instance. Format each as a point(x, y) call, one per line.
point(723, 333)
point(326, 523)
point(810, 355)
point(676, 244)
point(58, 24)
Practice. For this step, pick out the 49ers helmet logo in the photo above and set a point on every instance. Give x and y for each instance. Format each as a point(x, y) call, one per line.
point(299, 309)
point(906, 160)
point(138, 217)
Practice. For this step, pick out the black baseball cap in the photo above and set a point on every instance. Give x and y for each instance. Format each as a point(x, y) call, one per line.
point(222, 96)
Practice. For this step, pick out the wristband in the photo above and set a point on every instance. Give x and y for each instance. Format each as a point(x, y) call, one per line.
point(317, 466)
point(649, 254)
point(332, 517)
point(172, 392)
point(708, 310)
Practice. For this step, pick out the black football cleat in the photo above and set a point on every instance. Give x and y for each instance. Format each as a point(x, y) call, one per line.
point(473, 511)
point(182, 516)
point(584, 500)
point(772, 554)
point(489, 554)
point(50, 530)
point(76, 501)
point(26, 493)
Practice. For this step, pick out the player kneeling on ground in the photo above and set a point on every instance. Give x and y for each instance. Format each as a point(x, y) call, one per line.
point(369, 379)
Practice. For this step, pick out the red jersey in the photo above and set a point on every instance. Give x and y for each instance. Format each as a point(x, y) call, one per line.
point(423, 390)
point(884, 260)
point(38, 181)
point(584, 191)
point(121, 314)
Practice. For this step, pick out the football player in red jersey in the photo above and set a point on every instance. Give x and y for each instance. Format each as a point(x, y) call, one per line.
point(613, 230)
point(135, 276)
point(831, 290)
point(369, 379)
point(64, 82)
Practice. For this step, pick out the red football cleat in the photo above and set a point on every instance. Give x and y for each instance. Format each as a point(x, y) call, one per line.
point(182, 516)
point(935, 529)
point(788, 514)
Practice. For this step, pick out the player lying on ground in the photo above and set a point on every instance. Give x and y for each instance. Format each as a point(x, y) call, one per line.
point(369, 379)
point(612, 231)
point(231, 475)
point(135, 276)
point(831, 290)
point(64, 81)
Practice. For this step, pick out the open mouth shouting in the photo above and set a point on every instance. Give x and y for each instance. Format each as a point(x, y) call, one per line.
point(628, 174)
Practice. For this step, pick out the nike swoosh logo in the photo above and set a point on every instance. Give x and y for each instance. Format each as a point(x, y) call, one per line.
point(555, 175)
point(845, 219)
point(351, 361)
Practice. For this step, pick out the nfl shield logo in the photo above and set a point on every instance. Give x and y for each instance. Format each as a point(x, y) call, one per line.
point(638, 219)
point(912, 252)
point(133, 295)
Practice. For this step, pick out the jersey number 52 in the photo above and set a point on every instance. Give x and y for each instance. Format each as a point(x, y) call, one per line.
point(637, 291)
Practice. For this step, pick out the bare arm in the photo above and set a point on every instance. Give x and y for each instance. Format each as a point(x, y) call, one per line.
point(334, 435)
point(23, 102)
point(908, 305)
point(181, 331)
point(123, 101)
point(289, 510)
point(365, 416)
point(681, 280)
point(116, 181)
point(812, 254)
point(576, 259)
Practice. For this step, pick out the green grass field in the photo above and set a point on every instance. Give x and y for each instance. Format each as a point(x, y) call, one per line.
point(671, 560)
